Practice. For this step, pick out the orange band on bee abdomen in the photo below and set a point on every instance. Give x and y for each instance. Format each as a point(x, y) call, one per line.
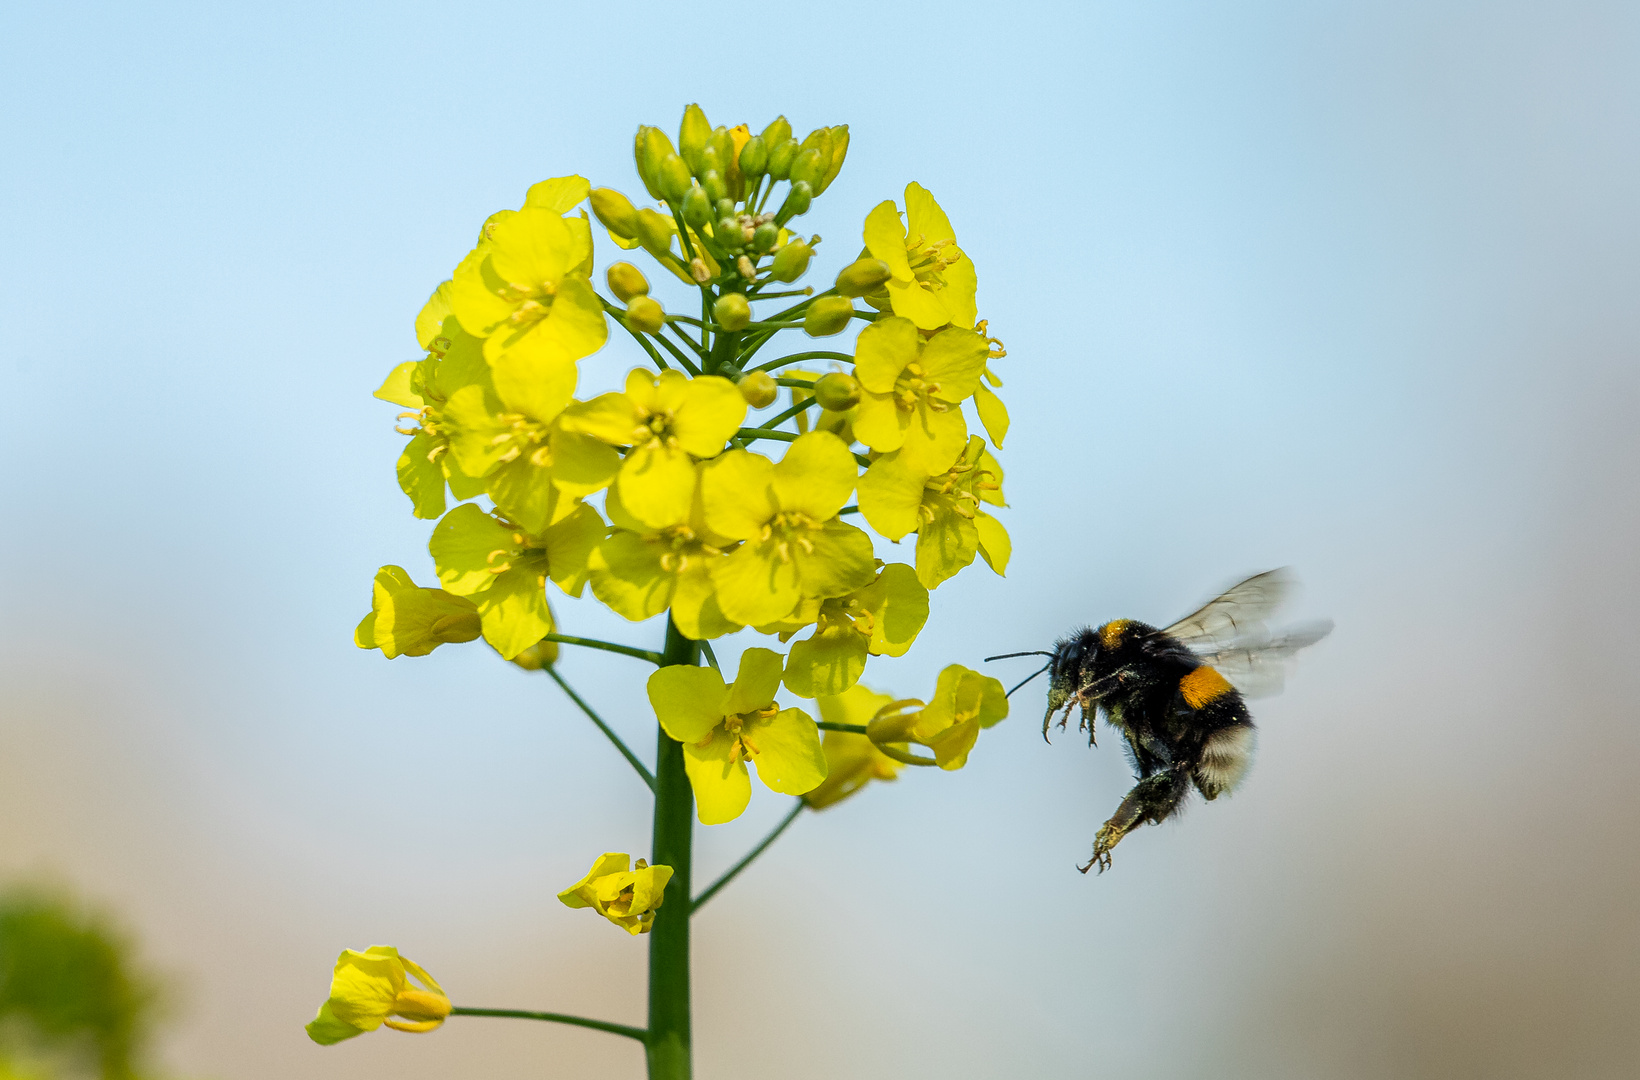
point(1203, 685)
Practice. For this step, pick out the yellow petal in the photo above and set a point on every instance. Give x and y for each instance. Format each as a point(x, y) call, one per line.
point(559, 195)
point(396, 387)
point(841, 560)
point(756, 682)
point(627, 577)
point(924, 216)
point(816, 476)
point(712, 410)
point(919, 303)
point(879, 423)
point(898, 603)
point(737, 496)
point(934, 440)
point(569, 547)
point(944, 546)
point(657, 485)
point(882, 351)
point(514, 610)
point(688, 701)
point(829, 661)
point(992, 413)
point(885, 239)
point(788, 755)
point(581, 464)
point(994, 544)
point(955, 359)
point(890, 493)
point(613, 418)
point(695, 604)
point(722, 786)
point(755, 585)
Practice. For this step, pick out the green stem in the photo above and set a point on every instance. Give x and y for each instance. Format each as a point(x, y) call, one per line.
point(855, 509)
point(677, 355)
point(797, 358)
point(672, 325)
point(746, 434)
point(609, 732)
point(711, 658)
point(557, 1018)
point(729, 875)
point(826, 725)
point(669, 1029)
point(789, 413)
point(607, 646)
point(801, 384)
point(619, 315)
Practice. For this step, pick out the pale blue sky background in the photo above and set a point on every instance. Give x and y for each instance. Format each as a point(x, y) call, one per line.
point(1349, 286)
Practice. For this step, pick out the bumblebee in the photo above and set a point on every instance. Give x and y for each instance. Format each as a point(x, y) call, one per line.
point(1177, 696)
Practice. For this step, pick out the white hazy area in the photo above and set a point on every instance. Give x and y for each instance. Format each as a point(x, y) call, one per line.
point(1350, 287)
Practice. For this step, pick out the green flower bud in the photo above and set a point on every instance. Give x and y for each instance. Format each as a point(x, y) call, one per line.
point(729, 234)
point(837, 391)
point(645, 315)
point(754, 157)
point(863, 275)
point(780, 158)
point(626, 281)
point(797, 202)
point(616, 212)
point(673, 178)
point(827, 316)
point(758, 388)
point(652, 150)
point(543, 654)
point(725, 208)
point(654, 232)
point(637, 156)
point(809, 166)
point(732, 311)
point(720, 145)
point(839, 151)
point(765, 237)
point(791, 261)
point(716, 189)
point(697, 208)
point(692, 135)
point(777, 132)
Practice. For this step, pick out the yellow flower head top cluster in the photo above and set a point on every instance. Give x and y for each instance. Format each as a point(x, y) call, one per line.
point(711, 476)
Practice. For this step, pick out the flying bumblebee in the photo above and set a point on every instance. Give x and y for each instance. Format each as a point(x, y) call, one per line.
point(1176, 695)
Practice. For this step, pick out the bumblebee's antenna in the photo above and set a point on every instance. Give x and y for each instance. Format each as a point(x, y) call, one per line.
point(1033, 675)
point(1011, 655)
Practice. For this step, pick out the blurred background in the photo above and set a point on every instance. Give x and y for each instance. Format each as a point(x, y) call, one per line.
point(1346, 286)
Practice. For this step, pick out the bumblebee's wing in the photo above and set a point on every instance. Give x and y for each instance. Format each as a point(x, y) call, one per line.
point(1257, 664)
point(1237, 613)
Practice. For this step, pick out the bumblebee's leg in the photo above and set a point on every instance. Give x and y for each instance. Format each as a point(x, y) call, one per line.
point(1152, 799)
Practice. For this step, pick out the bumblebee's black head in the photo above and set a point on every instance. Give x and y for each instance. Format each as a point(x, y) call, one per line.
point(1085, 655)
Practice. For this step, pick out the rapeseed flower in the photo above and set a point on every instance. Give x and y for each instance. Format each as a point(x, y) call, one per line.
point(852, 761)
point(407, 620)
point(964, 702)
point(933, 282)
point(883, 618)
point(912, 389)
point(626, 897)
point(368, 987)
point(944, 511)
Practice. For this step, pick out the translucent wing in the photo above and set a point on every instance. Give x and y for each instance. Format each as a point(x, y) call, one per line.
point(1257, 664)
point(1239, 612)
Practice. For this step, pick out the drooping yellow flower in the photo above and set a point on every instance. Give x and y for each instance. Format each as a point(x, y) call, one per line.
point(504, 569)
point(944, 511)
point(626, 897)
point(852, 761)
point(668, 420)
point(912, 390)
point(639, 571)
point(787, 515)
point(723, 727)
point(964, 702)
point(368, 987)
point(525, 290)
point(932, 282)
point(407, 620)
point(883, 618)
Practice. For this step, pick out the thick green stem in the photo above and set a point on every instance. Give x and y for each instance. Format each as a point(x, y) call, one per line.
point(669, 1035)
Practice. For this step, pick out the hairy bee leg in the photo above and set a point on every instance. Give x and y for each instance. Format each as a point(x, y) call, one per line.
point(1153, 799)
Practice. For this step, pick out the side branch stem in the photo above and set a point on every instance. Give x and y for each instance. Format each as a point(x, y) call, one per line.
point(609, 732)
point(729, 875)
point(557, 1018)
point(826, 725)
point(607, 646)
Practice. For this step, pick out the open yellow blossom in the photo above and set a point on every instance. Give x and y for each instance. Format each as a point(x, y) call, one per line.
point(407, 620)
point(639, 571)
point(504, 569)
point(883, 618)
point(368, 987)
point(911, 390)
point(852, 761)
point(964, 702)
point(667, 420)
point(933, 282)
point(787, 515)
point(944, 511)
point(723, 727)
point(626, 897)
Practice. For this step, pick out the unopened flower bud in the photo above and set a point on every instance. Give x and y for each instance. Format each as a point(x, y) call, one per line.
point(765, 237)
point(673, 177)
point(729, 234)
point(809, 166)
point(780, 158)
point(837, 391)
point(839, 151)
point(654, 232)
point(616, 212)
point(732, 311)
point(754, 157)
point(777, 132)
point(697, 208)
point(716, 188)
point(645, 315)
point(797, 202)
point(626, 281)
point(692, 135)
point(791, 261)
point(827, 316)
point(653, 146)
point(724, 208)
point(719, 150)
point(759, 389)
point(543, 654)
point(863, 275)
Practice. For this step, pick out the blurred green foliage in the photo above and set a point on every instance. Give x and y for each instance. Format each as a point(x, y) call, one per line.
point(72, 1000)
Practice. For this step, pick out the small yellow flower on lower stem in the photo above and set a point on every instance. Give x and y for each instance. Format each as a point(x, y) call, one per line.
point(722, 727)
point(964, 702)
point(407, 620)
point(368, 987)
point(626, 895)
point(852, 761)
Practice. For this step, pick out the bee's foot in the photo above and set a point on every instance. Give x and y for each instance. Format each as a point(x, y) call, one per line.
point(1103, 841)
